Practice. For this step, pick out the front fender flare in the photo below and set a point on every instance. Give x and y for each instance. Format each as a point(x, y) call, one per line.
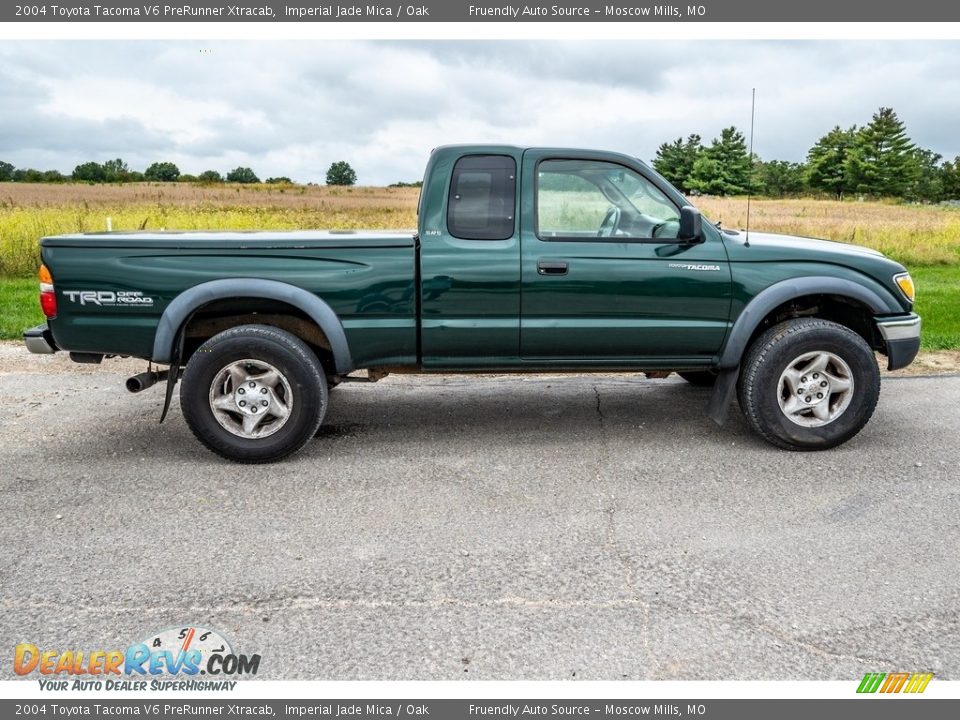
point(187, 302)
point(758, 308)
point(779, 293)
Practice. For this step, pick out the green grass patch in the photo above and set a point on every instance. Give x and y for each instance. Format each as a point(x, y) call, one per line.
point(938, 303)
point(19, 306)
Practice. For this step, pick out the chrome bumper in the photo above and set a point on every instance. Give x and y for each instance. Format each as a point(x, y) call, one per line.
point(899, 328)
point(39, 340)
point(901, 336)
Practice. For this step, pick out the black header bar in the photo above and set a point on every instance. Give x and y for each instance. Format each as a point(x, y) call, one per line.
point(617, 11)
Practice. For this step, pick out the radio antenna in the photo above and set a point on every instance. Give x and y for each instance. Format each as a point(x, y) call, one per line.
point(753, 105)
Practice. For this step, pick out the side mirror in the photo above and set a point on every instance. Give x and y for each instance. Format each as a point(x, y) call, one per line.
point(691, 225)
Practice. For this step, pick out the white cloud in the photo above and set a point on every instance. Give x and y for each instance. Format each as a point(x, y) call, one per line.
point(291, 108)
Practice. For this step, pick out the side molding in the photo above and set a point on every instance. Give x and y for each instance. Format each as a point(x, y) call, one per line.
point(785, 290)
point(187, 302)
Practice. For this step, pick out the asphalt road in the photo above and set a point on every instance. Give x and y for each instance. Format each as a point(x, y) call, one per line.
point(538, 527)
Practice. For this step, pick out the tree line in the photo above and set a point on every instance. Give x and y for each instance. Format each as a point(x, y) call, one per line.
point(876, 160)
point(117, 171)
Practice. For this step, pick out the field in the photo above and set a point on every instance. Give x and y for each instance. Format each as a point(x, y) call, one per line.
point(925, 238)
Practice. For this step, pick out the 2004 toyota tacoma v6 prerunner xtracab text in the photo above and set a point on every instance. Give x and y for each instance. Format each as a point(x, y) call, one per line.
point(524, 259)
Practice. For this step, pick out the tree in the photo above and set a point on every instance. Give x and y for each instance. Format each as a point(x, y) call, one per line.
point(6, 171)
point(210, 176)
point(242, 175)
point(950, 179)
point(340, 173)
point(675, 160)
point(778, 178)
point(162, 172)
point(90, 172)
point(724, 167)
point(115, 170)
point(883, 160)
point(827, 162)
point(930, 175)
point(27, 175)
point(282, 180)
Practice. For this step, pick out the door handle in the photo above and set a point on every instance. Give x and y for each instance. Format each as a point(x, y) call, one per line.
point(552, 267)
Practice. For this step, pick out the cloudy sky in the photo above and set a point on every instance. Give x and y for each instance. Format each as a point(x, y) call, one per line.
point(291, 108)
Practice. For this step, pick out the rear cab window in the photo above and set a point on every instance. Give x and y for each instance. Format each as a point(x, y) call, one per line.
point(483, 196)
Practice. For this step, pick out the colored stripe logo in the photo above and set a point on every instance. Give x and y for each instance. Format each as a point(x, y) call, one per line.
point(894, 682)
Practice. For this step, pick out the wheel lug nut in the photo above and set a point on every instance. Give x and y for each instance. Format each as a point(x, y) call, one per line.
point(800, 391)
point(807, 398)
point(263, 391)
point(823, 383)
point(816, 375)
point(820, 395)
point(243, 403)
point(803, 379)
point(264, 403)
point(253, 408)
point(253, 384)
point(241, 391)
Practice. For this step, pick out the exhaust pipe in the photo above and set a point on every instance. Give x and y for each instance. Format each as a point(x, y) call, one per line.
point(144, 380)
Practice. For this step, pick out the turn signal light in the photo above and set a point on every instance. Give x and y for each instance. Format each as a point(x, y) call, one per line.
point(905, 283)
point(48, 298)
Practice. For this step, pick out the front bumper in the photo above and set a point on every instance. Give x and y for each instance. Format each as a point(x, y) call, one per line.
point(39, 340)
point(901, 335)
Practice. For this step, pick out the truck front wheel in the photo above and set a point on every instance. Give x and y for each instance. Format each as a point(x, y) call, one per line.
point(254, 394)
point(809, 384)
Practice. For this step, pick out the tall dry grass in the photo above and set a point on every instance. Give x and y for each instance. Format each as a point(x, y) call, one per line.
point(911, 234)
point(915, 235)
point(29, 212)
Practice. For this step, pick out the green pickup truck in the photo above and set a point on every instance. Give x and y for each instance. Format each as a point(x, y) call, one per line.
point(524, 260)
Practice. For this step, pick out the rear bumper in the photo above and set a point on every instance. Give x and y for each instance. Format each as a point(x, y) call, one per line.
point(901, 335)
point(39, 340)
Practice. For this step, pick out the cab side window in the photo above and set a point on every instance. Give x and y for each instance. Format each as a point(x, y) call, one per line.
point(482, 200)
point(592, 199)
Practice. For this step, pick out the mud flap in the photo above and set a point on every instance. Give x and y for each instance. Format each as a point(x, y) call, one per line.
point(173, 375)
point(719, 405)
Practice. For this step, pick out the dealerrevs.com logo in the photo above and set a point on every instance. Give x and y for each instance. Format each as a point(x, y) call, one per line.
point(173, 659)
point(886, 683)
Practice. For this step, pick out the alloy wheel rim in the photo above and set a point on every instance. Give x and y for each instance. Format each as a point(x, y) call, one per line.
point(815, 389)
point(251, 399)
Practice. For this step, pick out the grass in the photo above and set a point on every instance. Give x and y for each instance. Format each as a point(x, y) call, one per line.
point(19, 306)
point(938, 303)
point(914, 235)
point(31, 211)
point(924, 238)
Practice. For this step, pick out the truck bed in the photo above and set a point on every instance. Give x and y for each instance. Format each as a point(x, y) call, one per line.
point(367, 278)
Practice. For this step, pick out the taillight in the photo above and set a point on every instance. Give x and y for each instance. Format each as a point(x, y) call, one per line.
point(48, 298)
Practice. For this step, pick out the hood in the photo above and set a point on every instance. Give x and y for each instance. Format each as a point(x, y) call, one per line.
point(768, 247)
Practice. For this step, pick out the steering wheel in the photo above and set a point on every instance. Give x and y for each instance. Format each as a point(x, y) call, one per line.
point(610, 223)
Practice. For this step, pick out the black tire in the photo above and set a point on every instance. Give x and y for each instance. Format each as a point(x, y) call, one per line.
point(700, 378)
point(775, 368)
point(295, 398)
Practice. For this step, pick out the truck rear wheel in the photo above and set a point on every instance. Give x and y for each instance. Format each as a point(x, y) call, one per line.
point(254, 394)
point(809, 384)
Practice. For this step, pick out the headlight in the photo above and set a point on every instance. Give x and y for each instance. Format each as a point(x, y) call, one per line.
point(905, 283)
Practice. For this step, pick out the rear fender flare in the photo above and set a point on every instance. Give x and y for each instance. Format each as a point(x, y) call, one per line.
point(187, 302)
